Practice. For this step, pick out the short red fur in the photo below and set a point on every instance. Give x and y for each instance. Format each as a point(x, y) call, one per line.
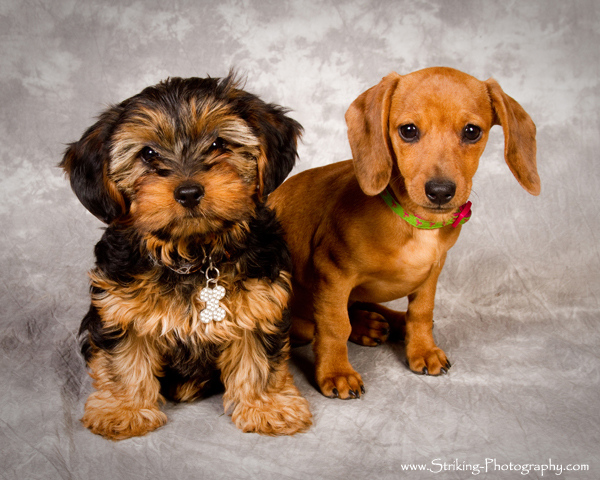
point(351, 252)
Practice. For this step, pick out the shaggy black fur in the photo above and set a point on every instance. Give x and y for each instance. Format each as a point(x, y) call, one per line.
point(263, 254)
point(120, 254)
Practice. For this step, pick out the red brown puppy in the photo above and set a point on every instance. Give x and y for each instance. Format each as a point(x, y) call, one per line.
point(355, 228)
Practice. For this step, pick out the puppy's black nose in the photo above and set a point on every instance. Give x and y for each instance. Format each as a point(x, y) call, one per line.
point(189, 195)
point(440, 192)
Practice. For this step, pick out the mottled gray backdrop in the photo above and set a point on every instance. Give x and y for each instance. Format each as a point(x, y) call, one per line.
point(518, 301)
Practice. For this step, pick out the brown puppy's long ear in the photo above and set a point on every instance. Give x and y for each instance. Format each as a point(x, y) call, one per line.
point(86, 164)
point(367, 120)
point(519, 137)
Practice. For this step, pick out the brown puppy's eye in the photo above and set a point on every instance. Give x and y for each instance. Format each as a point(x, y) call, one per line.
point(409, 133)
point(471, 133)
point(148, 154)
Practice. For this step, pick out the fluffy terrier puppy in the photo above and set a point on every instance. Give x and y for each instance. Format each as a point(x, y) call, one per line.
point(191, 283)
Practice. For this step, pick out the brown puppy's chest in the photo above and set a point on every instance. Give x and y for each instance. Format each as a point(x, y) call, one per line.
point(406, 267)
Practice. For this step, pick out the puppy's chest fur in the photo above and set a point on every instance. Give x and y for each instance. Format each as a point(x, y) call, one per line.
point(156, 303)
point(133, 294)
point(409, 260)
point(419, 252)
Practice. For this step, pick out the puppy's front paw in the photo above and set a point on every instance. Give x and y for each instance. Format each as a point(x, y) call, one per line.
point(343, 384)
point(431, 361)
point(105, 416)
point(280, 415)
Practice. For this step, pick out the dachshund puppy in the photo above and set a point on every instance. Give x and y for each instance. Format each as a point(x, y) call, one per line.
point(191, 283)
point(378, 227)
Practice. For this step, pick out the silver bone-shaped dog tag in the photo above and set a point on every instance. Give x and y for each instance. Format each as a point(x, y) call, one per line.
point(211, 296)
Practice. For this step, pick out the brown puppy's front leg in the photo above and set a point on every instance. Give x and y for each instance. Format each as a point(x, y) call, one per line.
point(334, 374)
point(423, 355)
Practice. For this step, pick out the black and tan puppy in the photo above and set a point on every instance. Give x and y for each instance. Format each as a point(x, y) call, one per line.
point(192, 281)
point(378, 228)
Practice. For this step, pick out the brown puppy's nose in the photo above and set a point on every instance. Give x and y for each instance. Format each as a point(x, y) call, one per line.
point(189, 195)
point(440, 192)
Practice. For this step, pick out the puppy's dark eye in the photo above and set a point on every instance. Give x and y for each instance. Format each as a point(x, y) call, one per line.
point(409, 133)
point(471, 133)
point(218, 144)
point(148, 154)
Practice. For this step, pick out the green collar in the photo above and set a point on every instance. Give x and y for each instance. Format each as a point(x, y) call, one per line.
point(461, 216)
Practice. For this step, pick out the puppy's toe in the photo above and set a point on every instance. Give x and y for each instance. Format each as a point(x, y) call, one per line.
point(345, 386)
point(368, 328)
point(431, 362)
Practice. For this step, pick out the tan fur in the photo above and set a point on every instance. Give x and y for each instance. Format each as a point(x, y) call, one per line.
point(149, 308)
point(229, 185)
point(178, 173)
point(350, 250)
point(126, 401)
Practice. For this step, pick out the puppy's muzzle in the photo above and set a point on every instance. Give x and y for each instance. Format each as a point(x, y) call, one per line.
point(440, 191)
point(189, 194)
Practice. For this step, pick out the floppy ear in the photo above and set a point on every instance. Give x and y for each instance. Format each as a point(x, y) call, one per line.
point(86, 164)
point(367, 120)
point(279, 135)
point(519, 137)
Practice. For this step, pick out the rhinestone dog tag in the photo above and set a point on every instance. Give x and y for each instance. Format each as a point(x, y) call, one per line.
point(211, 296)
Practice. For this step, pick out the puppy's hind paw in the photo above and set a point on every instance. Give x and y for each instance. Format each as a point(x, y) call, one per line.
point(368, 328)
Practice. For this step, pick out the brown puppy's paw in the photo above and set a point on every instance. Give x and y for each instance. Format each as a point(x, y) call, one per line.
point(368, 328)
point(428, 362)
point(396, 320)
point(344, 385)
